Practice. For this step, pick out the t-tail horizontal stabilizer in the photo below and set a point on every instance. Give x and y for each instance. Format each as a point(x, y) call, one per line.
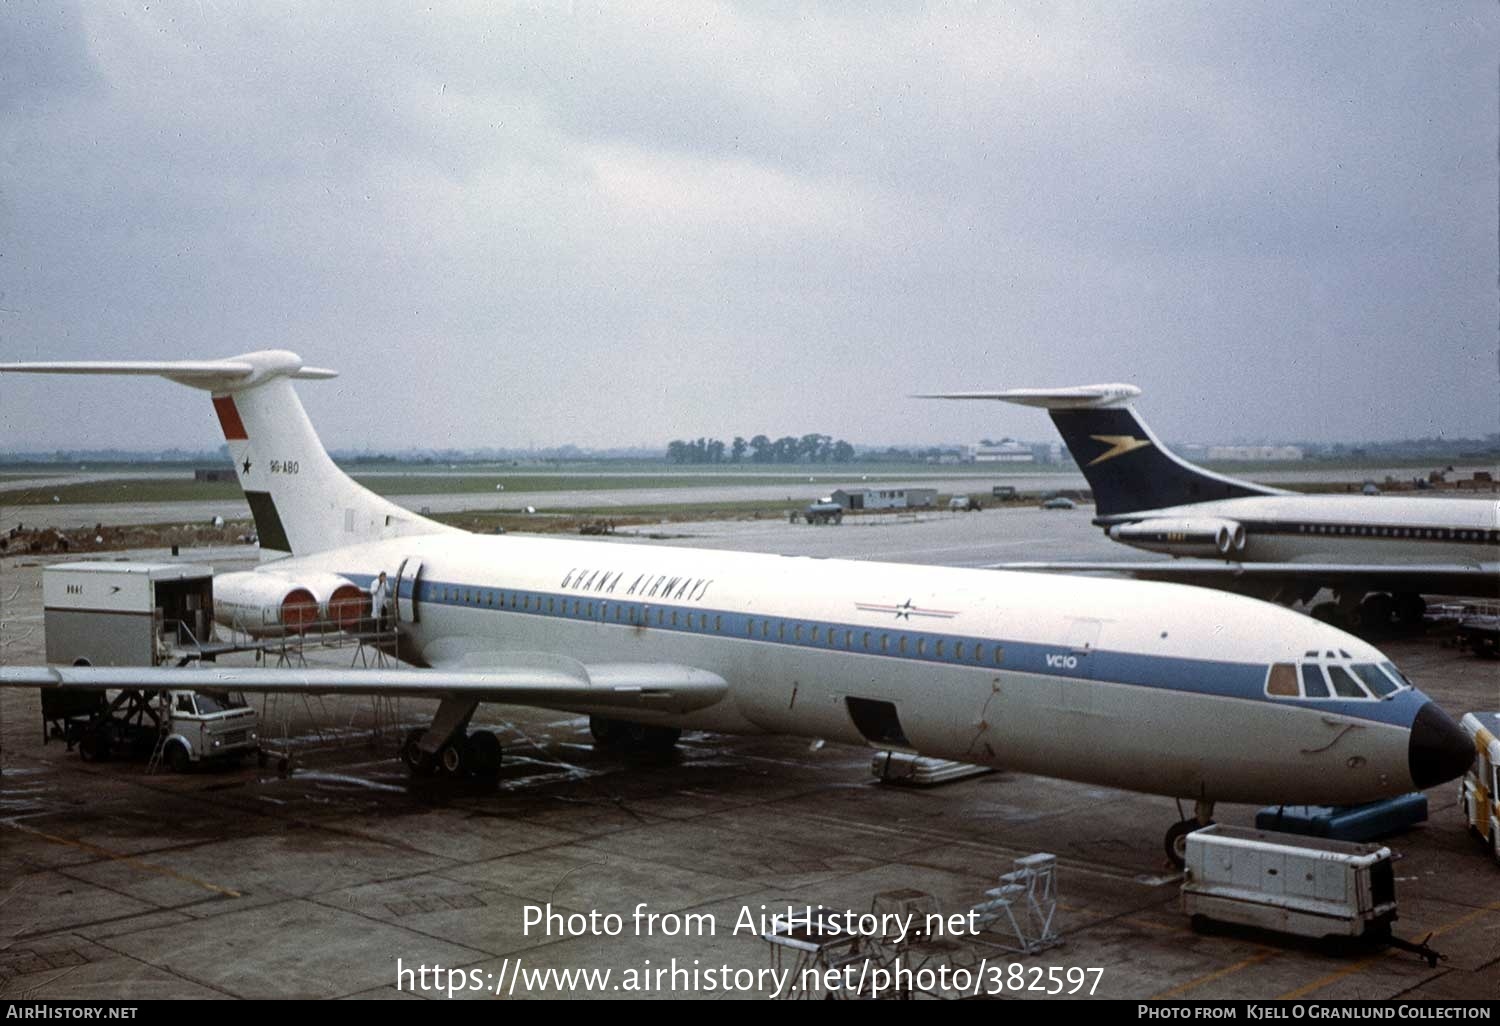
point(1126, 465)
point(302, 502)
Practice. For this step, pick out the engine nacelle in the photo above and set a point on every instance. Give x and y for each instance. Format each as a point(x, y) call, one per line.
point(1184, 536)
point(262, 603)
point(341, 602)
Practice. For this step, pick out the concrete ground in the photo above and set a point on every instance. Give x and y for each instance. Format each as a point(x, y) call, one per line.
point(116, 883)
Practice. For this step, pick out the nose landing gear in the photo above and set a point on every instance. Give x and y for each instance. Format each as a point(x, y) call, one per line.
point(1175, 842)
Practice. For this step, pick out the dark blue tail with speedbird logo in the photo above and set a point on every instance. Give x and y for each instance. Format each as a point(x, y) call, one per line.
point(1127, 466)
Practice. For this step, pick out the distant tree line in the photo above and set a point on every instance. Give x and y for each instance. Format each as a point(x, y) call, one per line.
point(761, 449)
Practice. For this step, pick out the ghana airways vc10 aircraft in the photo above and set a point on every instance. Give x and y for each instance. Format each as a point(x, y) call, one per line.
point(1138, 685)
point(1379, 554)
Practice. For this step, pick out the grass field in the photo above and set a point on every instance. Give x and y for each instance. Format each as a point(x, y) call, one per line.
point(166, 483)
point(182, 489)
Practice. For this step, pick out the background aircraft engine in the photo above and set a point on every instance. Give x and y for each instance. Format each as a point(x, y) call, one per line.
point(1184, 536)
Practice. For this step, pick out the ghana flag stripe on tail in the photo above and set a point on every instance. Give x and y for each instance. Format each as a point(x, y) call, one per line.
point(229, 419)
point(268, 526)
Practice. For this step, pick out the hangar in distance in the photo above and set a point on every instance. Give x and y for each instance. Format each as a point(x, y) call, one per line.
point(1144, 686)
point(1379, 554)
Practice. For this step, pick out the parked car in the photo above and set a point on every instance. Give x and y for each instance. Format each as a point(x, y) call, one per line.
point(1059, 502)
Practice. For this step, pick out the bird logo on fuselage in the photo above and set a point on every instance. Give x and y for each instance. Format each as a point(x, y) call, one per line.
point(1119, 445)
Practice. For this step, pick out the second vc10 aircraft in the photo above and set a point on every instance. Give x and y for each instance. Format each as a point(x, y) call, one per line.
point(1378, 554)
point(1149, 687)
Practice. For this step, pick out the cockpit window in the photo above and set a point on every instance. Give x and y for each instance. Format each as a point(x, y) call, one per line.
point(1334, 675)
point(1282, 680)
point(1313, 684)
point(1379, 684)
point(1344, 685)
point(1397, 675)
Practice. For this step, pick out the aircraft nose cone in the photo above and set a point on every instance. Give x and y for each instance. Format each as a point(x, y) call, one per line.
point(1439, 749)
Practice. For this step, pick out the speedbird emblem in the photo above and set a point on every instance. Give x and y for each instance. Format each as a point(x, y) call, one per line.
point(1119, 445)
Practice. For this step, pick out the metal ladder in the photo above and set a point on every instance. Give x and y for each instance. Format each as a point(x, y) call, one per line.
point(163, 731)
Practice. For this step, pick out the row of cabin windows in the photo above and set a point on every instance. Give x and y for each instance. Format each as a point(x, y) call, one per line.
point(1367, 531)
point(836, 637)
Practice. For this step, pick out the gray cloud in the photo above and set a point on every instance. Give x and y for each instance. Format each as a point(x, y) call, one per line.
point(611, 224)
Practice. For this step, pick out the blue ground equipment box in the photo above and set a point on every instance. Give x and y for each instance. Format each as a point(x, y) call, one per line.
point(1346, 822)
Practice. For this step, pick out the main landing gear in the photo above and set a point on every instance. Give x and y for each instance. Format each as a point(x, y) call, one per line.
point(1373, 613)
point(476, 755)
point(447, 748)
point(622, 735)
point(1176, 839)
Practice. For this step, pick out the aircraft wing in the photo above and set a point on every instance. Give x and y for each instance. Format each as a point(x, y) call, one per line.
point(508, 679)
point(1481, 580)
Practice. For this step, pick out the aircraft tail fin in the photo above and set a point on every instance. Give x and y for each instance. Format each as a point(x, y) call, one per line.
point(1127, 466)
point(301, 501)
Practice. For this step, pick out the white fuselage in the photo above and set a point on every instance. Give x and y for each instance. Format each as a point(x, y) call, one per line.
point(1150, 687)
point(1352, 529)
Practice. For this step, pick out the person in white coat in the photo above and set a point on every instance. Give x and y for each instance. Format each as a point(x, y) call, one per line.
point(380, 593)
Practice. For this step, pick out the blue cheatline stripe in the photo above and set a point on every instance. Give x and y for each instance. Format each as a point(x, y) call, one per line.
point(1337, 529)
point(1244, 681)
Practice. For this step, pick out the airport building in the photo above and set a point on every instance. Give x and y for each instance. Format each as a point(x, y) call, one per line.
point(1253, 453)
point(1007, 450)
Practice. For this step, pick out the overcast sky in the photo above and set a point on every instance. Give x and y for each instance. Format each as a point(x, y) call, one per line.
point(623, 223)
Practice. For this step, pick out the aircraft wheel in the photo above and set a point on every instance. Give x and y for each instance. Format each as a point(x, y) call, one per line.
point(1328, 612)
point(1375, 611)
point(93, 746)
point(1410, 608)
point(652, 739)
point(607, 733)
point(482, 754)
point(418, 763)
point(1175, 842)
point(178, 758)
point(451, 759)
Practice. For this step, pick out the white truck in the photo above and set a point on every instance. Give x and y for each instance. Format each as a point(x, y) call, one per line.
point(1308, 886)
point(1479, 790)
point(104, 613)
